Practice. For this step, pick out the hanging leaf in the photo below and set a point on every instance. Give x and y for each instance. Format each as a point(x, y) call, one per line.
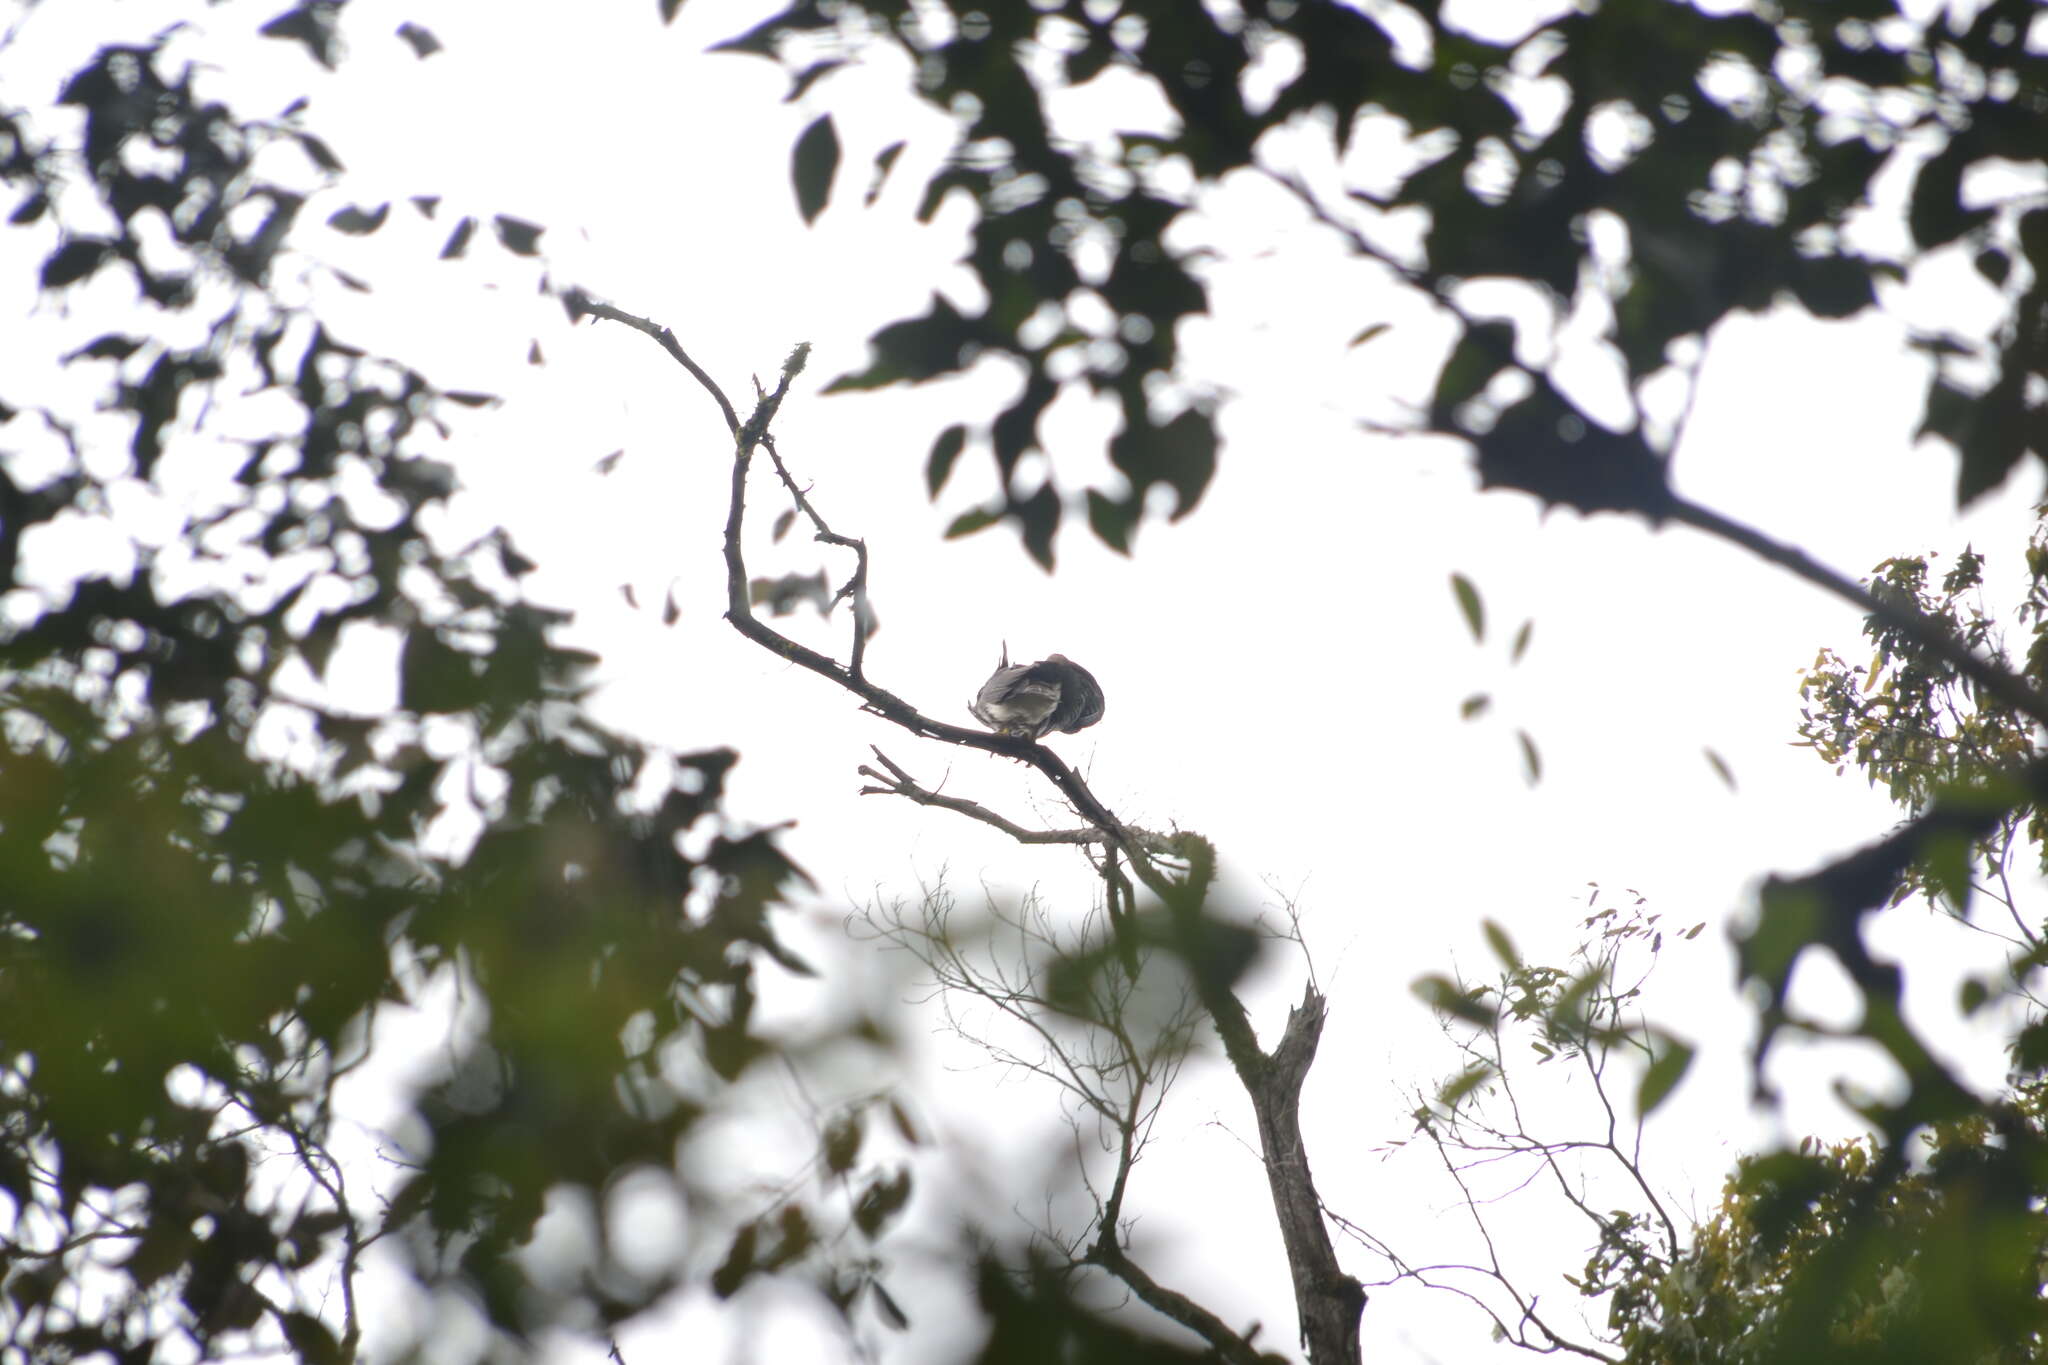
point(939, 467)
point(812, 166)
point(1672, 1061)
point(1469, 605)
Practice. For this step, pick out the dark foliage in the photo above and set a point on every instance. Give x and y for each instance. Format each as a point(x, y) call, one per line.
point(223, 869)
point(1729, 148)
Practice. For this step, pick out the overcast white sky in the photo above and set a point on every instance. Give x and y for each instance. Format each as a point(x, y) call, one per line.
point(1283, 669)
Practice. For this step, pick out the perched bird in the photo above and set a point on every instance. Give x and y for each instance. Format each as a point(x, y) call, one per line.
point(1033, 699)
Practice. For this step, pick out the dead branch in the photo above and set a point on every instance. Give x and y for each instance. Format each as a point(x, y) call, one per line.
point(1328, 1300)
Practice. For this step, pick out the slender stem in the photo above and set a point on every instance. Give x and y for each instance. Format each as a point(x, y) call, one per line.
point(2008, 687)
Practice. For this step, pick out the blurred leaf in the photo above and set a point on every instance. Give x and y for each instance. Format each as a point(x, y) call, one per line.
point(422, 42)
point(358, 222)
point(1667, 1068)
point(458, 240)
point(967, 523)
point(1521, 642)
point(1469, 605)
point(945, 450)
point(1503, 947)
point(812, 166)
point(520, 237)
point(891, 1313)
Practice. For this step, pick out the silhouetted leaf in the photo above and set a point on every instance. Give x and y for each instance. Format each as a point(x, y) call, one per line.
point(813, 164)
point(1469, 606)
point(520, 237)
point(945, 450)
point(422, 42)
point(358, 221)
point(1667, 1068)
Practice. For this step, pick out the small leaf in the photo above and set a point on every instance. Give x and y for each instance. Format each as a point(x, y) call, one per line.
point(881, 1201)
point(967, 523)
point(610, 462)
point(842, 1143)
point(322, 154)
point(1474, 706)
point(669, 9)
point(1459, 1088)
point(1445, 996)
point(810, 76)
point(738, 1264)
point(520, 237)
point(469, 399)
point(1367, 334)
point(458, 240)
point(813, 164)
point(885, 161)
point(1469, 605)
point(901, 1118)
point(671, 612)
point(892, 1314)
point(1673, 1060)
point(1532, 761)
point(358, 222)
point(782, 525)
point(1503, 946)
point(1521, 644)
point(423, 43)
point(939, 465)
point(1721, 768)
point(311, 1339)
point(74, 260)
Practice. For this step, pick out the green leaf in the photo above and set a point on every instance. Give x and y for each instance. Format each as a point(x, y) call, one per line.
point(939, 465)
point(311, 1338)
point(1459, 1088)
point(843, 1142)
point(1521, 642)
point(1368, 333)
point(1503, 946)
point(1469, 605)
point(1480, 354)
point(979, 519)
point(1474, 706)
point(1532, 762)
point(813, 164)
point(738, 1264)
point(359, 222)
point(1721, 768)
point(1112, 520)
point(1665, 1071)
point(1446, 996)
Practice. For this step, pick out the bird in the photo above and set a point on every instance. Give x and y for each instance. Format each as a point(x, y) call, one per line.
point(1035, 699)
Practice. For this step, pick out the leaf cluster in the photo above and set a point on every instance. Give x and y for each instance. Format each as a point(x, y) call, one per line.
point(1728, 152)
point(229, 863)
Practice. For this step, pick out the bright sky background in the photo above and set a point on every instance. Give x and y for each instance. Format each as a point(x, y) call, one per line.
point(1283, 669)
